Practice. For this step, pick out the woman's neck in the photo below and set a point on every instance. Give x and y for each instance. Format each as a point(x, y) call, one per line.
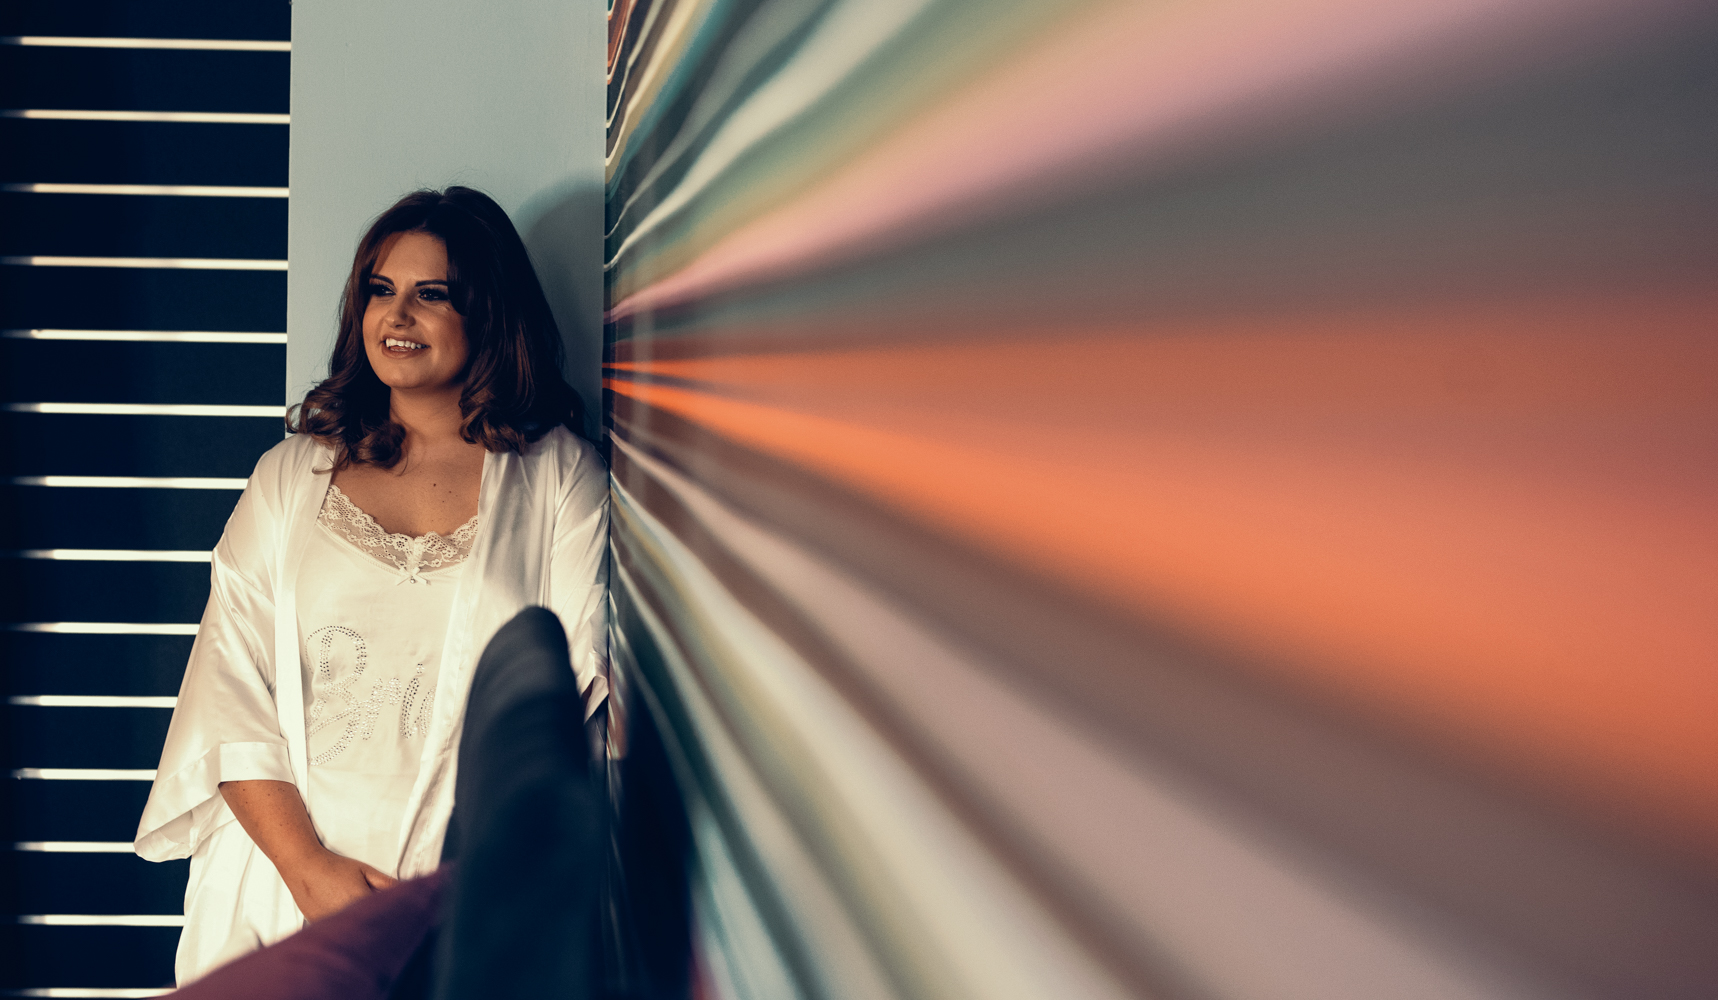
point(430, 417)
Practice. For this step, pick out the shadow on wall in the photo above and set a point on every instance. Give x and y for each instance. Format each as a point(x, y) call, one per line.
point(562, 228)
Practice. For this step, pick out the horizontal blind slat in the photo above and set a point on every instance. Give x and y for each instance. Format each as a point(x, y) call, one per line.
point(205, 44)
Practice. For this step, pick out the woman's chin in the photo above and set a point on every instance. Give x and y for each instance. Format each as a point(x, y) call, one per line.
point(415, 382)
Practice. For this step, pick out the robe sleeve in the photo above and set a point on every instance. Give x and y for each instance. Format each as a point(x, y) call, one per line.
point(225, 726)
point(578, 578)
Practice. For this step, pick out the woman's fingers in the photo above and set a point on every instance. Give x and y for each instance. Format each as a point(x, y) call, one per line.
point(376, 879)
point(331, 883)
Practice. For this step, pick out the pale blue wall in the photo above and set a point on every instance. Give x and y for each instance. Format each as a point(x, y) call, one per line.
point(391, 95)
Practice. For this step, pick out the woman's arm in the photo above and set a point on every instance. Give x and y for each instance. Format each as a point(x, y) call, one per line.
point(577, 571)
point(322, 883)
point(226, 726)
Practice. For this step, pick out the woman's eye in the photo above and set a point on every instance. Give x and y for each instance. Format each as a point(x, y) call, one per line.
point(433, 294)
point(380, 290)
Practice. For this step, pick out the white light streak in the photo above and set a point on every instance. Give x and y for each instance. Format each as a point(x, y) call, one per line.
point(207, 44)
point(130, 482)
point(103, 919)
point(173, 190)
point(206, 117)
point(116, 555)
point(82, 774)
point(104, 628)
point(165, 336)
point(92, 701)
point(75, 846)
point(182, 263)
point(88, 991)
point(148, 409)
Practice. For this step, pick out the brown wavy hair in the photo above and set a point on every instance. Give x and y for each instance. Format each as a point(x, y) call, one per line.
point(512, 390)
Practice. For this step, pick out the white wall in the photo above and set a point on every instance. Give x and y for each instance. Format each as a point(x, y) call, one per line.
point(391, 95)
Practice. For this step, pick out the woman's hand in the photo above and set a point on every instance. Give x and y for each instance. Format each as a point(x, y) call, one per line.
point(324, 883)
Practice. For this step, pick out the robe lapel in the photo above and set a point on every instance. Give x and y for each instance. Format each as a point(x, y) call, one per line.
point(304, 502)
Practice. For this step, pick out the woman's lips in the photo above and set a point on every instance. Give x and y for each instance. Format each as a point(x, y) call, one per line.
point(400, 346)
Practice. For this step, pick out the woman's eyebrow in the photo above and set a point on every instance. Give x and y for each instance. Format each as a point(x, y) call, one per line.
point(415, 284)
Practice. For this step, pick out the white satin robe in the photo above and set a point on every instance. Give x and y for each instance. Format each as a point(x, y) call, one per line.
point(542, 538)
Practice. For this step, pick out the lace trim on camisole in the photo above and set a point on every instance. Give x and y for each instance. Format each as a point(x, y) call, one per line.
point(403, 552)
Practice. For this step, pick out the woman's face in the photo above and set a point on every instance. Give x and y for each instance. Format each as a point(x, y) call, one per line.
point(414, 337)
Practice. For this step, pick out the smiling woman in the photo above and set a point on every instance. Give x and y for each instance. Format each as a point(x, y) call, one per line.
point(439, 453)
point(440, 262)
point(413, 336)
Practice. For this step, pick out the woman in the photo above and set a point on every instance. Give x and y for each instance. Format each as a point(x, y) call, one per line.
point(431, 489)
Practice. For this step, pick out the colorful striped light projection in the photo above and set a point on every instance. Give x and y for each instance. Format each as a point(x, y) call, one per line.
point(1198, 499)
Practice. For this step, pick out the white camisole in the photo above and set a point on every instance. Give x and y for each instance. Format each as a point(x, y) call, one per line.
point(373, 613)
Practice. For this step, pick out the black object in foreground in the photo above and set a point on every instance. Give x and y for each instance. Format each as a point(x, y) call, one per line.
point(527, 828)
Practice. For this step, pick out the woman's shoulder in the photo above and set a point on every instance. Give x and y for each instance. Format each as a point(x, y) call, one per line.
point(282, 465)
point(575, 463)
point(286, 457)
point(566, 451)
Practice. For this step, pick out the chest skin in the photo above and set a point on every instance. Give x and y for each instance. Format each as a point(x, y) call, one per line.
point(430, 489)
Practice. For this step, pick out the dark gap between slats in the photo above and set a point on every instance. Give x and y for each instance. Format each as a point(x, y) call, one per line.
point(144, 79)
point(91, 152)
point(52, 590)
point(112, 957)
point(262, 19)
point(95, 883)
point(45, 517)
point(102, 225)
point(41, 444)
point(100, 298)
point(75, 810)
point(84, 737)
point(126, 665)
point(92, 371)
